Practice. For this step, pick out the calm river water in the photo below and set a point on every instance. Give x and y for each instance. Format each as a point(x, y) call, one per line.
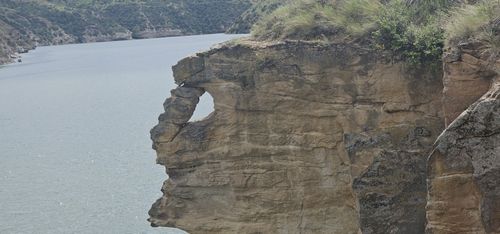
point(75, 154)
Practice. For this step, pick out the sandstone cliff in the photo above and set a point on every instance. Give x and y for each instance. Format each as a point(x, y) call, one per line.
point(305, 138)
point(333, 137)
point(464, 168)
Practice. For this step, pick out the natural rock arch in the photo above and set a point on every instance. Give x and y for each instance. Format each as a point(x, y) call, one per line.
point(204, 107)
point(179, 109)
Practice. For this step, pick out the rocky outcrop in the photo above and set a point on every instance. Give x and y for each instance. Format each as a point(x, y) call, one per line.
point(464, 168)
point(466, 78)
point(19, 36)
point(305, 138)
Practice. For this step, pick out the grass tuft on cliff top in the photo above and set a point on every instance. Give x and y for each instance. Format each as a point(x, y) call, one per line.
point(413, 30)
point(317, 20)
point(480, 22)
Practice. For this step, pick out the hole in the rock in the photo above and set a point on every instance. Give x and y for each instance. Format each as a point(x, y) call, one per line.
point(204, 107)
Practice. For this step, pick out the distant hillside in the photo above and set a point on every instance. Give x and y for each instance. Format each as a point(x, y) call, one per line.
point(26, 23)
point(252, 15)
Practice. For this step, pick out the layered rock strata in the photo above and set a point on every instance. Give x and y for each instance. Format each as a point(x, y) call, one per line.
point(464, 168)
point(305, 138)
point(468, 73)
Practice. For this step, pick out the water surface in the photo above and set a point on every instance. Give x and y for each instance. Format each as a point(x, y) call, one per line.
point(74, 134)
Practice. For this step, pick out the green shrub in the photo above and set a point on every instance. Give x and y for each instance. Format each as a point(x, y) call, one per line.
point(411, 31)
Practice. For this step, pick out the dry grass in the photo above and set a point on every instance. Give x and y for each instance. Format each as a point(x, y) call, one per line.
point(475, 22)
point(316, 20)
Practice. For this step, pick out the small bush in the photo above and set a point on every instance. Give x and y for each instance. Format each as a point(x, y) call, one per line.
point(411, 31)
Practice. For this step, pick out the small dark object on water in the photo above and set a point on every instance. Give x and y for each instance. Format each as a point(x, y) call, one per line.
point(19, 60)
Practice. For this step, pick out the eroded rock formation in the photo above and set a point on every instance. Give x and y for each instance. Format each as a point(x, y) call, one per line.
point(464, 168)
point(305, 138)
point(467, 76)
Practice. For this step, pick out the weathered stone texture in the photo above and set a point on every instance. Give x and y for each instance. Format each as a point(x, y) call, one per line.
point(466, 78)
point(305, 138)
point(464, 168)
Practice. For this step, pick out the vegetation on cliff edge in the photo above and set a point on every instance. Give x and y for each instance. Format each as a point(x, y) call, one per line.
point(479, 22)
point(413, 30)
point(256, 12)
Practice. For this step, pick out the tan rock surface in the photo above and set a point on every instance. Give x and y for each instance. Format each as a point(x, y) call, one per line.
point(464, 168)
point(465, 79)
point(305, 138)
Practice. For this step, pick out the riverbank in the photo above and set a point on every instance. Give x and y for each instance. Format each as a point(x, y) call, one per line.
point(16, 55)
point(27, 24)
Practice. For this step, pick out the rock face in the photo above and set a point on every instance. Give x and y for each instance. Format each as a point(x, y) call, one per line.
point(466, 78)
point(305, 138)
point(464, 168)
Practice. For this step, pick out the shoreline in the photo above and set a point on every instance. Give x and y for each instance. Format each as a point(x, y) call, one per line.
point(10, 60)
